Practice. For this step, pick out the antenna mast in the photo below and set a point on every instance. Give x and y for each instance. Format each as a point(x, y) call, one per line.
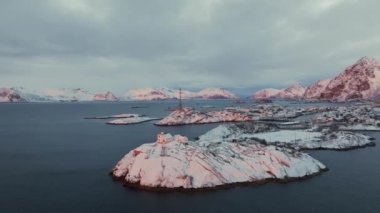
point(180, 99)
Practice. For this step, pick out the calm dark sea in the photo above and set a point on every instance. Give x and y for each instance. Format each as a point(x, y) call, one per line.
point(53, 160)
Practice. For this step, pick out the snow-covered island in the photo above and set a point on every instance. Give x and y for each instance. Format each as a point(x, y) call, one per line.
point(257, 148)
point(174, 162)
point(124, 115)
point(124, 119)
point(182, 116)
point(131, 120)
point(297, 139)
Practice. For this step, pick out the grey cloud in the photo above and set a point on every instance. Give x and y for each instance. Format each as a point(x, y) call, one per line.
point(118, 45)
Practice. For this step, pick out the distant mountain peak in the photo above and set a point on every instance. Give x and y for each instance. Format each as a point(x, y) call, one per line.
point(164, 93)
point(294, 91)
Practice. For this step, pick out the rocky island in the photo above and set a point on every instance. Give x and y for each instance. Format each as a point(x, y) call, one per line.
point(174, 162)
point(183, 116)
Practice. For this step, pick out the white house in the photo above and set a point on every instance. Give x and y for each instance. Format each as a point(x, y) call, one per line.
point(163, 138)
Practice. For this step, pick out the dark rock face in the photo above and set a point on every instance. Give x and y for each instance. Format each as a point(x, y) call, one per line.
point(359, 81)
point(9, 95)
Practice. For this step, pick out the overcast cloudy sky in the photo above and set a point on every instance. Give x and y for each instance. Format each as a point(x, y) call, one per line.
point(117, 45)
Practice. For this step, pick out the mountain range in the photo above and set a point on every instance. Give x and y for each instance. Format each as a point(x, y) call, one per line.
point(357, 82)
point(20, 94)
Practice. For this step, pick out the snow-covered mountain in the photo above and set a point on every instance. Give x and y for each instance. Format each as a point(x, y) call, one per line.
point(294, 92)
point(107, 96)
point(266, 93)
point(53, 95)
point(214, 93)
point(358, 81)
point(27, 95)
point(149, 94)
point(65, 94)
point(77, 94)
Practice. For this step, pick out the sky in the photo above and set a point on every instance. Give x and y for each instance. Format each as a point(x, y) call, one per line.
point(243, 45)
